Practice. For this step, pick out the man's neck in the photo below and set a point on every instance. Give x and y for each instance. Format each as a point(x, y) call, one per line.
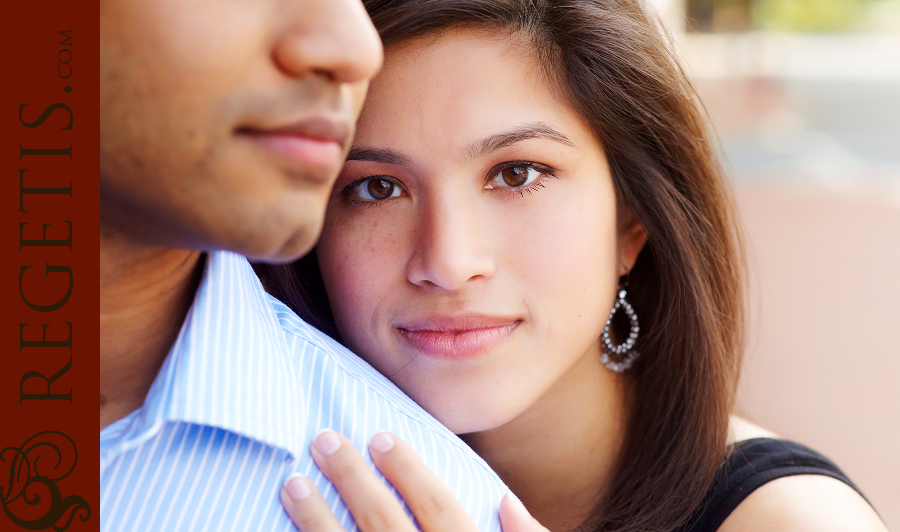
point(145, 294)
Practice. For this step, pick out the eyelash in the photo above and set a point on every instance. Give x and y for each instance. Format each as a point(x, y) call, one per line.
point(538, 183)
point(544, 170)
point(347, 191)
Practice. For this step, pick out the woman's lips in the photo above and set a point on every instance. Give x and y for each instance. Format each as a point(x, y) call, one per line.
point(458, 337)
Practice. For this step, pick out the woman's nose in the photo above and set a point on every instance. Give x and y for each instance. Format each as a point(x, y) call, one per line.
point(331, 38)
point(452, 246)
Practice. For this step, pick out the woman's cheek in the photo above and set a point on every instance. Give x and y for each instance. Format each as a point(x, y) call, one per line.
point(568, 260)
point(358, 258)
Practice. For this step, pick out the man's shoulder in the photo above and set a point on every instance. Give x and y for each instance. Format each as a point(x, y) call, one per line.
point(317, 353)
point(295, 327)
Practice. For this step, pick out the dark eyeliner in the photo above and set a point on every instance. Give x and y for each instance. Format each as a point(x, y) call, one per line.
point(542, 168)
point(546, 171)
point(347, 191)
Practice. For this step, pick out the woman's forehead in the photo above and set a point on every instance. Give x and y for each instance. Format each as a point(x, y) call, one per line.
point(463, 84)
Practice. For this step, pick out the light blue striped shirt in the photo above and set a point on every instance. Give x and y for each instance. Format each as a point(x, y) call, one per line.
point(233, 410)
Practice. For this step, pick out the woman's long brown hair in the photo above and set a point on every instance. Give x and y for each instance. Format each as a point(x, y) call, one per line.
point(615, 67)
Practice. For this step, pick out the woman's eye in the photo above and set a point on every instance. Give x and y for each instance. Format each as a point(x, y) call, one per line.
point(375, 189)
point(514, 176)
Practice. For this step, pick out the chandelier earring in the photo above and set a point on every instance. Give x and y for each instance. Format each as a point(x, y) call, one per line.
point(620, 357)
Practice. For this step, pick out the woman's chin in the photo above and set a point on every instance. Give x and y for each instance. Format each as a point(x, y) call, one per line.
point(477, 419)
point(469, 427)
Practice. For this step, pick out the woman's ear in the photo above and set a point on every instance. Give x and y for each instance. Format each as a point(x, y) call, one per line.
point(632, 238)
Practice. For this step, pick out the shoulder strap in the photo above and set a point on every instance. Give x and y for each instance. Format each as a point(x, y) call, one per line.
point(749, 465)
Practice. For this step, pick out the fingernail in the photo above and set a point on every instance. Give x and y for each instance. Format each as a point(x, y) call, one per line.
point(297, 486)
point(517, 504)
point(327, 442)
point(382, 442)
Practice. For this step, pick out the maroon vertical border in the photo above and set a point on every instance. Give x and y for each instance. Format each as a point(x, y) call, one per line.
point(49, 382)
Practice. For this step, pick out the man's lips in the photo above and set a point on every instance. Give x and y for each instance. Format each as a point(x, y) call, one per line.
point(316, 144)
point(457, 336)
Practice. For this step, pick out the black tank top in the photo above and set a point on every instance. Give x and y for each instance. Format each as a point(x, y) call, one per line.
point(750, 464)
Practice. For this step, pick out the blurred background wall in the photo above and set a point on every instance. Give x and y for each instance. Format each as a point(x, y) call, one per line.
point(805, 98)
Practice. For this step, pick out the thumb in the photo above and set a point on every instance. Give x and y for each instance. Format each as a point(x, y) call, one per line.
point(515, 518)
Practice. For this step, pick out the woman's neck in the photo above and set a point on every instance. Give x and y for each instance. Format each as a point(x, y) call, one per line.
point(558, 455)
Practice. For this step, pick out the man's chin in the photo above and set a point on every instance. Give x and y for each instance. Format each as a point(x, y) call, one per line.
point(298, 245)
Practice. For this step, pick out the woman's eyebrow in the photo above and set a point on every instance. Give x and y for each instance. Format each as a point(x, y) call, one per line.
point(378, 155)
point(536, 130)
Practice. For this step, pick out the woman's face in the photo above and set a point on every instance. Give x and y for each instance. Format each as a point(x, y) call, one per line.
point(470, 249)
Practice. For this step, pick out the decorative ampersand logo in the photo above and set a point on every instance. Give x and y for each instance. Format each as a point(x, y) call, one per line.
point(31, 499)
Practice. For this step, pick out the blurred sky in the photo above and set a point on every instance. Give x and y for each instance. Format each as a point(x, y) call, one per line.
point(805, 98)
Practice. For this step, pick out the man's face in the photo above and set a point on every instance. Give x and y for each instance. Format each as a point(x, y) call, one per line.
point(225, 123)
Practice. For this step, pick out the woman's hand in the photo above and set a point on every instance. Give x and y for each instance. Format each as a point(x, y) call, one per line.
point(372, 504)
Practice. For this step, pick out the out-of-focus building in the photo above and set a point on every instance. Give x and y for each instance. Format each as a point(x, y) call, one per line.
point(805, 98)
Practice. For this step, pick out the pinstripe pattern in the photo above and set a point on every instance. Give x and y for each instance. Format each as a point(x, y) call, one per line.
point(234, 408)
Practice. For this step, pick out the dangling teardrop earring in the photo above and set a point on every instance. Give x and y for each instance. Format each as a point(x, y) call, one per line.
point(625, 350)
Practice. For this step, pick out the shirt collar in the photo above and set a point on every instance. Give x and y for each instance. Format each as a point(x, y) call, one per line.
point(230, 367)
